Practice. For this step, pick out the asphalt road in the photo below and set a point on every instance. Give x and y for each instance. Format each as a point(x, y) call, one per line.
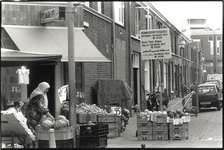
point(205, 131)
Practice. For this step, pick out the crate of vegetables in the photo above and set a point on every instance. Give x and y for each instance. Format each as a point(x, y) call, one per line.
point(86, 112)
point(84, 118)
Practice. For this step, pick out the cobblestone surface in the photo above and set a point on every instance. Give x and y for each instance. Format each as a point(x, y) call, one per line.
point(205, 131)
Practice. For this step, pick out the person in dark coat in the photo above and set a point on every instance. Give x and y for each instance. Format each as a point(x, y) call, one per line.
point(36, 110)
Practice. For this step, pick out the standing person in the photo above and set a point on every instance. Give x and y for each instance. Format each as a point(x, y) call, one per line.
point(35, 110)
point(43, 88)
point(192, 87)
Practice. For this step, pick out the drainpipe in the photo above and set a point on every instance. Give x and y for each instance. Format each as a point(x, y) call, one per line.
point(113, 43)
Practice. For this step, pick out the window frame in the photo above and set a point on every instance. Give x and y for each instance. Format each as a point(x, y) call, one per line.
point(119, 12)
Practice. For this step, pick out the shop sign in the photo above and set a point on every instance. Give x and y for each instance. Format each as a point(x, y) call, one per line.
point(155, 44)
point(51, 15)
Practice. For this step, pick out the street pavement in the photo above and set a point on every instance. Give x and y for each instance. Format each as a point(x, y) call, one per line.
point(205, 131)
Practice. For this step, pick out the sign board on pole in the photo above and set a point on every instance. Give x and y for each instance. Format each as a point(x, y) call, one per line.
point(155, 44)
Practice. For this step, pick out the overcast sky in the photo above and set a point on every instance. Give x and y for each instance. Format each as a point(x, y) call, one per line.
point(176, 11)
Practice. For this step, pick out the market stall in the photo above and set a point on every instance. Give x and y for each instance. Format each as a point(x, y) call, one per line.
point(14, 129)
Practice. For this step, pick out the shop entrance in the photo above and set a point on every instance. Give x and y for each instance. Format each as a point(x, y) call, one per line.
point(43, 73)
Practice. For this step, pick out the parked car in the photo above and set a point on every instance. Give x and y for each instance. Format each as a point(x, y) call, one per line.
point(209, 95)
point(217, 81)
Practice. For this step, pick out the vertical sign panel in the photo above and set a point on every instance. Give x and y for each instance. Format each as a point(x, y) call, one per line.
point(155, 44)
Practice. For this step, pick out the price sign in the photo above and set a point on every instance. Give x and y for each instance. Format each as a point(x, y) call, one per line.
point(116, 111)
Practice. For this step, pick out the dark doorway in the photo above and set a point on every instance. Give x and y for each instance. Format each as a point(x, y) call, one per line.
point(43, 73)
point(135, 70)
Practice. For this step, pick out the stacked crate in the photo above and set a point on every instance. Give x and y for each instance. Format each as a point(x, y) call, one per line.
point(160, 128)
point(178, 132)
point(144, 128)
point(114, 124)
point(93, 136)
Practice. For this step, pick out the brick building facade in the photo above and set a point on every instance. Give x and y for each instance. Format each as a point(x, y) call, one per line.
point(119, 42)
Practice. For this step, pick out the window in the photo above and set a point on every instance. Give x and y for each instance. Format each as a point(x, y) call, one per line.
point(218, 40)
point(99, 7)
point(135, 60)
point(119, 12)
point(210, 40)
point(175, 44)
point(137, 22)
point(171, 36)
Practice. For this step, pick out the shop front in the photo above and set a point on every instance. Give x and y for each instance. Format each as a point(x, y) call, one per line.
point(53, 42)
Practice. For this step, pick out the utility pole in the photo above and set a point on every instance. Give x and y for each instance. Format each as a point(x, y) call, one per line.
point(70, 11)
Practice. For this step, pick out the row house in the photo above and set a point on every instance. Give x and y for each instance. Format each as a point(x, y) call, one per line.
point(107, 45)
point(210, 42)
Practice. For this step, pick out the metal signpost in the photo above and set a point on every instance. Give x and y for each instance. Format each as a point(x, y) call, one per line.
point(155, 44)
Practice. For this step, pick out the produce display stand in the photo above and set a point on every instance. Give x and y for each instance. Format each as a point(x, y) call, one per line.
point(63, 138)
point(14, 130)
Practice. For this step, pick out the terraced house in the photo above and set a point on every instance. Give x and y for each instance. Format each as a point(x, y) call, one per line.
point(107, 45)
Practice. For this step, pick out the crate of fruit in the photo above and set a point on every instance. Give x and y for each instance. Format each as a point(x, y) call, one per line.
point(94, 130)
point(160, 119)
point(143, 119)
point(84, 118)
point(178, 134)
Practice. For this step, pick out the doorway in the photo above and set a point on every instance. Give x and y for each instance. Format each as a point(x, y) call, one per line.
point(43, 73)
point(135, 71)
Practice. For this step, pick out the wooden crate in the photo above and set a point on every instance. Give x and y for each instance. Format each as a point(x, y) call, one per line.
point(84, 118)
point(114, 133)
point(142, 119)
point(145, 127)
point(178, 127)
point(145, 136)
point(178, 134)
point(109, 118)
point(160, 135)
point(161, 119)
point(160, 127)
point(60, 134)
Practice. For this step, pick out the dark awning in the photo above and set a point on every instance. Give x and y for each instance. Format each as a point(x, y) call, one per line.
point(54, 40)
point(17, 58)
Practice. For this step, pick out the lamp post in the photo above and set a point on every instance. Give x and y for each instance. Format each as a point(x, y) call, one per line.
point(182, 46)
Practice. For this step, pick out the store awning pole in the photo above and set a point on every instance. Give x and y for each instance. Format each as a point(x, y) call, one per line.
point(71, 69)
